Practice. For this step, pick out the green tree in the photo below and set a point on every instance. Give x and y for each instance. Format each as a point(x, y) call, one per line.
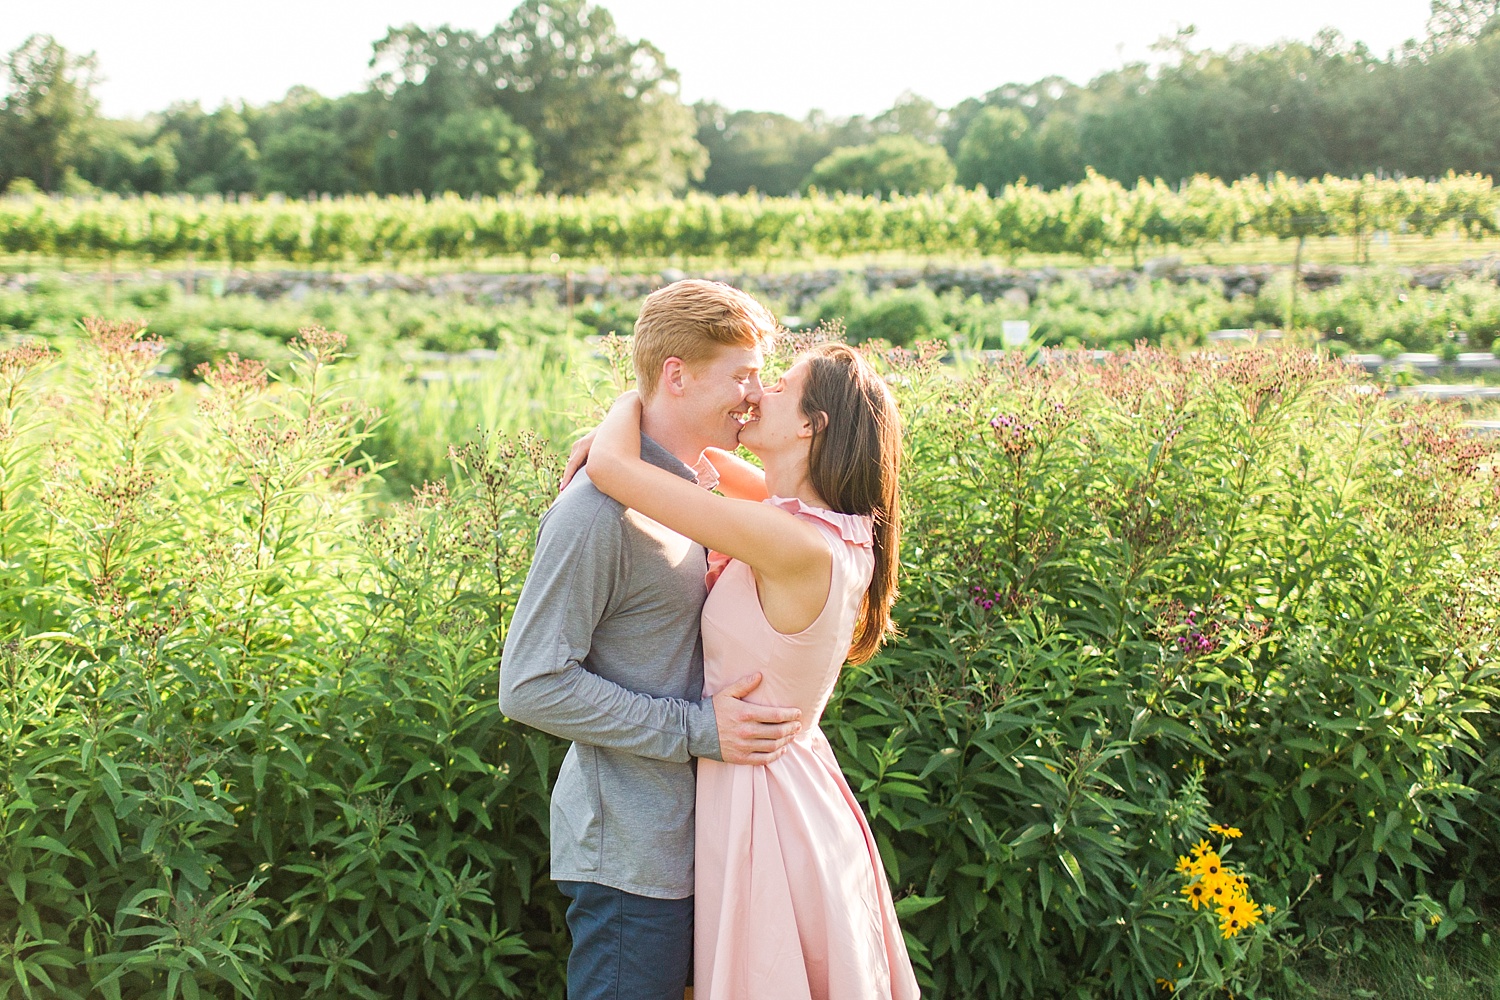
point(214, 151)
point(1460, 22)
point(310, 143)
point(996, 150)
point(303, 160)
point(895, 164)
point(914, 116)
point(128, 157)
point(602, 109)
point(759, 150)
point(47, 112)
point(425, 75)
point(483, 152)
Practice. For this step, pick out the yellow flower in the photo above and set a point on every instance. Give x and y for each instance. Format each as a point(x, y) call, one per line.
point(1236, 884)
point(1184, 865)
point(1201, 848)
point(1209, 865)
point(1230, 926)
point(1196, 893)
point(1166, 984)
point(1230, 907)
point(1232, 832)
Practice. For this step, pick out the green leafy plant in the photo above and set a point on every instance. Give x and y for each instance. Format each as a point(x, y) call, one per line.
point(247, 704)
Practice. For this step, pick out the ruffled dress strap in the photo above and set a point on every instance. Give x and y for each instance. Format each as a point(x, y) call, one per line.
point(856, 528)
point(717, 561)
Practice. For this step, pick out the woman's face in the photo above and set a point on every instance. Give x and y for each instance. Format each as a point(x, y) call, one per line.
point(778, 423)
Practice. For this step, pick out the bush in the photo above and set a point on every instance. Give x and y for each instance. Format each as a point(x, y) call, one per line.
point(250, 739)
point(251, 743)
point(891, 165)
point(899, 317)
point(1117, 575)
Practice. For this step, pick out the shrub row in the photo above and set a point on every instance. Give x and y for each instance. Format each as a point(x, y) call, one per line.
point(1093, 217)
point(251, 745)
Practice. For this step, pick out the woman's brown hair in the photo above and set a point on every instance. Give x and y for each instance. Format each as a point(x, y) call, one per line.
point(855, 464)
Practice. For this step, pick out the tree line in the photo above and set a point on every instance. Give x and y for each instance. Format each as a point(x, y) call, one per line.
point(556, 100)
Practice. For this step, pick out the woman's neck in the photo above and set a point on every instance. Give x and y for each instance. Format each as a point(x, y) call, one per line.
point(792, 483)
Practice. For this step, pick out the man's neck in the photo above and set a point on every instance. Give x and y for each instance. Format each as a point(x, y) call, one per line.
point(659, 427)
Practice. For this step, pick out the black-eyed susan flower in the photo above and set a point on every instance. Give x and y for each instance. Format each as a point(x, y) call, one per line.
point(1209, 865)
point(1215, 886)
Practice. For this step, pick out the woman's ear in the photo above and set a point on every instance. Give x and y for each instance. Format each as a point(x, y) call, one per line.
point(814, 425)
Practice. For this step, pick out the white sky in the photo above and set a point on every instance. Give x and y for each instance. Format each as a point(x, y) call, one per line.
point(842, 56)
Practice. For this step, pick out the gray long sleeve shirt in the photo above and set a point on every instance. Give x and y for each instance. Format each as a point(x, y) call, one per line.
point(604, 650)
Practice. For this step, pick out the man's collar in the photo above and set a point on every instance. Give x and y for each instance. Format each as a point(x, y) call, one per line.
point(704, 474)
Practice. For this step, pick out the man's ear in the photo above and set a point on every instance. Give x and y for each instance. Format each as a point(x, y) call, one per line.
point(674, 375)
point(814, 425)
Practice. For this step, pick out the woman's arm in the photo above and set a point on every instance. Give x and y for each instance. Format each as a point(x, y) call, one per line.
point(737, 477)
point(770, 540)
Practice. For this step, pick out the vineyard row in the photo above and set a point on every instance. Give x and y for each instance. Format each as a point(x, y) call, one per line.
point(1087, 219)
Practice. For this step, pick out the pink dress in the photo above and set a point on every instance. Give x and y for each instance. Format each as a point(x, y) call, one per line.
point(791, 897)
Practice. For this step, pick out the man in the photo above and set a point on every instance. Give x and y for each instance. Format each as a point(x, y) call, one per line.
point(604, 650)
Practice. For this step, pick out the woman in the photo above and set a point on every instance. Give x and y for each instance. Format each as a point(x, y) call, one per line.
point(791, 898)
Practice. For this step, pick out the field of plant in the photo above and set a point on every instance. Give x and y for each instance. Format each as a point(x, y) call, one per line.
point(539, 373)
point(1173, 628)
point(1094, 218)
point(1377, 310)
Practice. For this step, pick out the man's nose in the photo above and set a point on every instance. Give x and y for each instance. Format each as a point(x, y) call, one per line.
point(753, 389)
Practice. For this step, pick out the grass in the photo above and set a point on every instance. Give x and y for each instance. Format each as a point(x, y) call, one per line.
point(1394, 967)
point(545, 387)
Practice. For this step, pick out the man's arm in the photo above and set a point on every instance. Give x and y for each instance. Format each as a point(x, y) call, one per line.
point(543, 682)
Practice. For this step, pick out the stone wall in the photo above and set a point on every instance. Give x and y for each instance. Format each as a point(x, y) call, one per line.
point(793, 290)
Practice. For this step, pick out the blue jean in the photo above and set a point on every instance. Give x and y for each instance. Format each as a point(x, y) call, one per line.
point(627, 947)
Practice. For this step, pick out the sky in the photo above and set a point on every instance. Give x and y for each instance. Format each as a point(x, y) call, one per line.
point(842, 57)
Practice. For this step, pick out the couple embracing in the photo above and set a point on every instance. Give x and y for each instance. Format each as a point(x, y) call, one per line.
point(687, 642)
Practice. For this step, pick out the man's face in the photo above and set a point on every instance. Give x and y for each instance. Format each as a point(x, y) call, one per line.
point(718, 393)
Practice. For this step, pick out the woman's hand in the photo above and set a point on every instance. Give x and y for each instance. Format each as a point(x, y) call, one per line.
point(630, 399)
point(578, 457)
